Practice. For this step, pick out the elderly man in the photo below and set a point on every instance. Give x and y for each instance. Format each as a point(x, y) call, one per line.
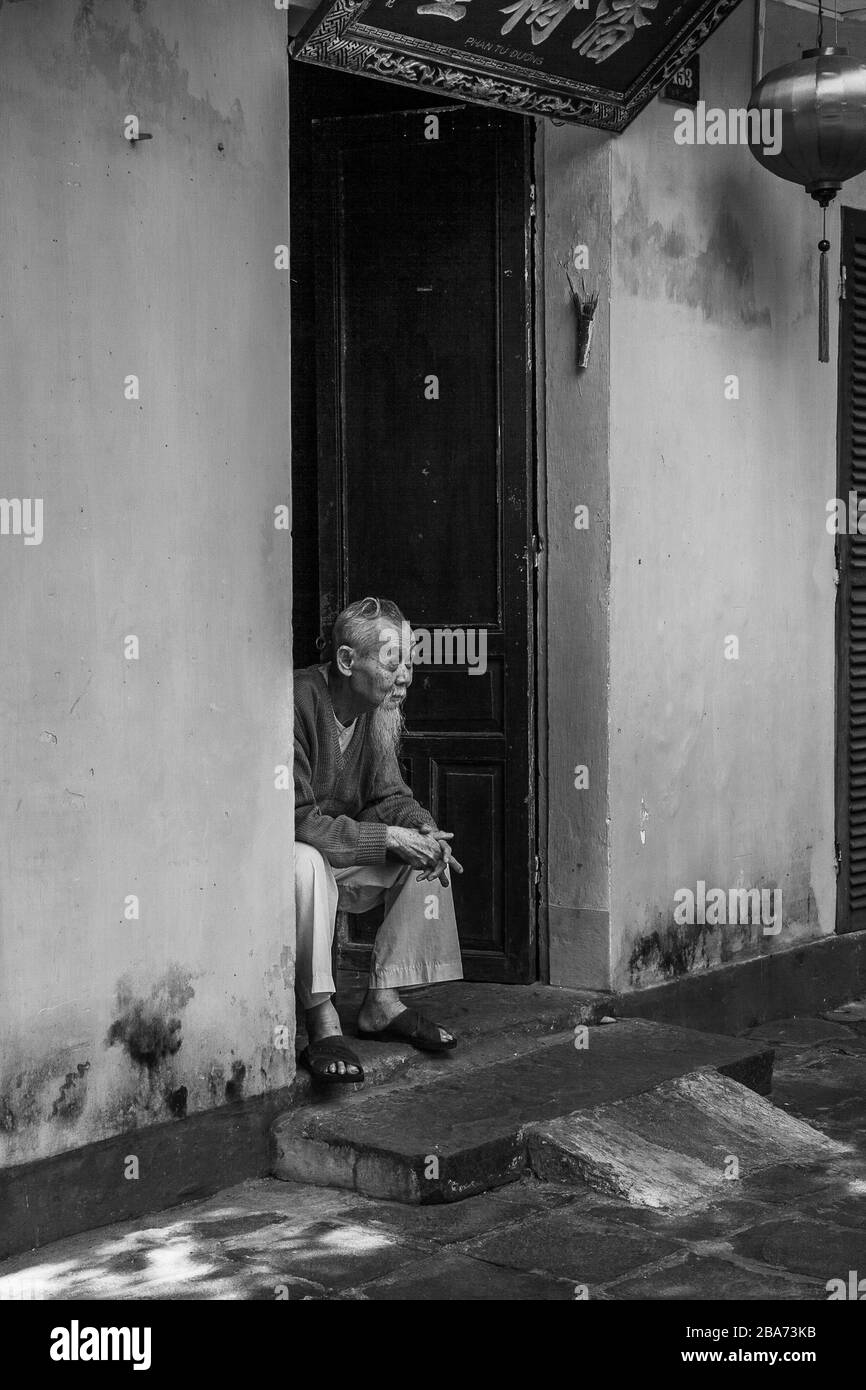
point(361, 839)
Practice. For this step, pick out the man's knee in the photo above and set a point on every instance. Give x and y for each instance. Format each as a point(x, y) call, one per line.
point(310, 865)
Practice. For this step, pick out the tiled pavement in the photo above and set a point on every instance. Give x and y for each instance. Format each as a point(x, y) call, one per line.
point(780, 1235)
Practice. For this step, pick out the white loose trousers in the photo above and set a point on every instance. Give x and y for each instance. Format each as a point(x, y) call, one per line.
point(416, 944)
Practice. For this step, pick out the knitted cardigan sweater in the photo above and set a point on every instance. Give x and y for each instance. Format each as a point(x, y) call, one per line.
point(344, 802)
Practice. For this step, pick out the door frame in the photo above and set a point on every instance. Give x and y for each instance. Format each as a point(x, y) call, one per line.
point(534, 966)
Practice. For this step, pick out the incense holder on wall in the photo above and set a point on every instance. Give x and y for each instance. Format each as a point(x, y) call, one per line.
point(585, 325)
point(585, 305)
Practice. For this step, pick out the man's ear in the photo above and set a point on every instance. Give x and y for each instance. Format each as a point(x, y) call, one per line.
point(344, 656)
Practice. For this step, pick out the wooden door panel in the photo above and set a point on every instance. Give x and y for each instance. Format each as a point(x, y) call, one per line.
point(450, 695)
point(411, 292)
point(426, 473)
point(470, 800)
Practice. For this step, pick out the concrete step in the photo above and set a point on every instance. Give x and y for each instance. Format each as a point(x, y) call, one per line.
point(466, 1127)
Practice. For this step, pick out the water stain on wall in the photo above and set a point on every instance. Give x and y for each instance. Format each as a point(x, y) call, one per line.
point(22, 1101)
point(717, 277)
point(147, 75)
point(70, 1103)
point(215, 1085)
point(149, 1028)
point(235, 1087)
point(670, 951)
point(176, 1101)
point(666, 953)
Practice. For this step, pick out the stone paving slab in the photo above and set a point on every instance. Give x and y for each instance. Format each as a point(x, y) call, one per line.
point(444, 1224)
point(331, 1254)
point(542, 1194)
point(560, 1245)
point(800, 1032)
point(721, 1219)
point(787, 1182)
point(853, 1015)
point(854, 1046)
point(455, 1279)
point(812, 1087)
point(842, 1209)
point(709, 1278)
point(804, 1247)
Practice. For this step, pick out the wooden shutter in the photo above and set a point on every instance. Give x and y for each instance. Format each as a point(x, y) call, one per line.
point(851, 599)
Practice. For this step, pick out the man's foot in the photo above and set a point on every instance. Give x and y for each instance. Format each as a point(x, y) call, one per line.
point(381, 1007)
point(323, 1021)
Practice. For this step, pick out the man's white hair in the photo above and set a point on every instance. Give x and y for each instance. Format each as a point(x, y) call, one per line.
point(357, 625)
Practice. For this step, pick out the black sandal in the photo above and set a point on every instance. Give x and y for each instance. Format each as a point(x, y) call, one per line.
point(318, 1056)
point(412, 1027)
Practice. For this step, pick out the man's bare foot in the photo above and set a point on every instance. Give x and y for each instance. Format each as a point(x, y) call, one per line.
point(323, 1021)
point(381, 1007)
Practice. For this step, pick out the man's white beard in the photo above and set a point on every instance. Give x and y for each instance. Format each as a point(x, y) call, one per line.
point(386, 730)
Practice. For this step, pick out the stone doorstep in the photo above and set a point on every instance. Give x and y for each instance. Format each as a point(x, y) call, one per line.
point(466, 1128)
point(477, 1014)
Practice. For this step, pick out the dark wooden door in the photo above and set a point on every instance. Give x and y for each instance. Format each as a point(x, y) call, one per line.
point(851, 595)
point(423, 246)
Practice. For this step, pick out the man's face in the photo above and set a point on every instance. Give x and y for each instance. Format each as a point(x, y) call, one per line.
point(382, 675)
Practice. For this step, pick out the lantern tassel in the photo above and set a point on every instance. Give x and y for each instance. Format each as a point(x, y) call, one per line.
point(824, 300)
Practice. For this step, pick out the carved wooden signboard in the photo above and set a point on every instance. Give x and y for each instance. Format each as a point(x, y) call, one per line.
point(597, 62)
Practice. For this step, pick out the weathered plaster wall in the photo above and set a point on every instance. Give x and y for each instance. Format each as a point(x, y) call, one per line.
point(707, 519)
point(152, 777)
point(718, 528)
point(574, 452)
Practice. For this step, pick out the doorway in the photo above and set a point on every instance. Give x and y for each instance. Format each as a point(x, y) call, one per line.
point(413, 460)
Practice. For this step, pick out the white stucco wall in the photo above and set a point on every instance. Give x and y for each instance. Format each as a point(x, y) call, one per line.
point(152, 777)
point(718, 529)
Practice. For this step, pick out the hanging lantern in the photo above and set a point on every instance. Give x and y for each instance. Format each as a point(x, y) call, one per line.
point(822, 100)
